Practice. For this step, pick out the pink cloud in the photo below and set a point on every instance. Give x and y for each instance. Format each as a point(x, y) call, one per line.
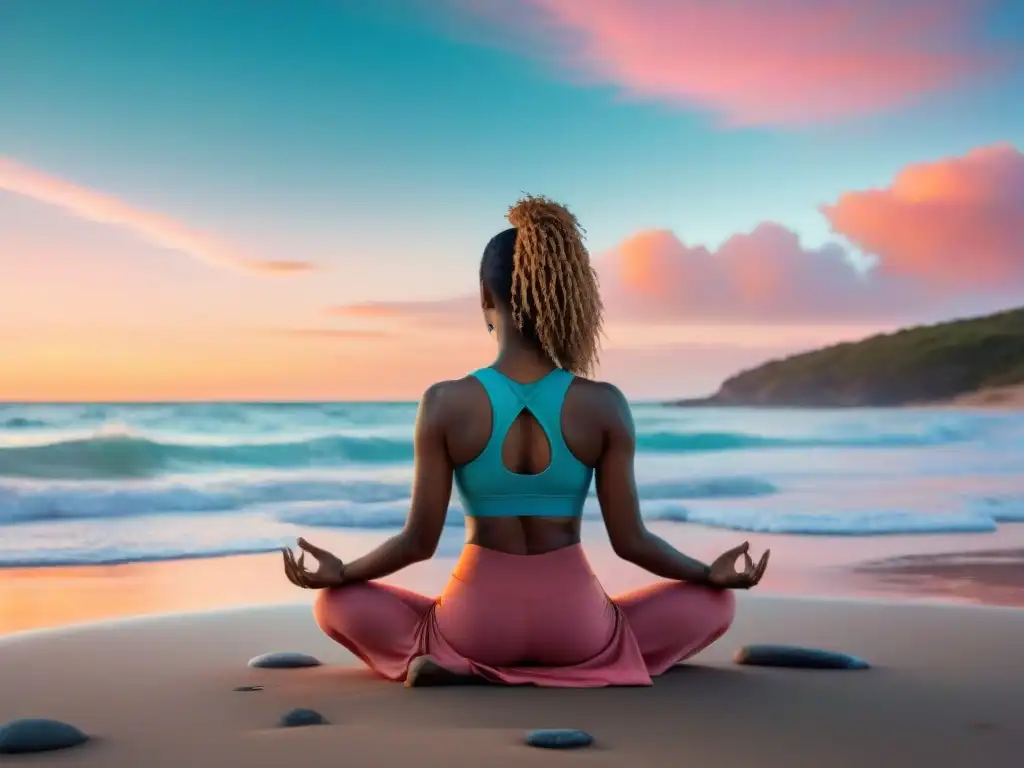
point(766, 276)
point(947, 236)
point(763, 276)
point(959, 220)
point(155, 228)
point(757, 61)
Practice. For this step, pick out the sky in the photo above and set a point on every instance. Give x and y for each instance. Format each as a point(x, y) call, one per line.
point(269, 200)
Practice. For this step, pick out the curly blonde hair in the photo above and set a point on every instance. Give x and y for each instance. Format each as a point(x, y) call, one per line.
point(553, 289)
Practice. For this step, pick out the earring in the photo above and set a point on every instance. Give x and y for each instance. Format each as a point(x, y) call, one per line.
point(490, 328)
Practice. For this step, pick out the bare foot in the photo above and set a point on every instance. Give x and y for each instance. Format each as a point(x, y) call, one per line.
point(425, 671)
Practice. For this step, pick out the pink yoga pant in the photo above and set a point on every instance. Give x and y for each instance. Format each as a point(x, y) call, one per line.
point(519, 619)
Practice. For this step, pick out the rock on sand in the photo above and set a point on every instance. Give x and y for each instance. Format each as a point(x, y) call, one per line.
point(38, 734)
point(300, 717)
point(796, 657)
point(559, 738)
point(284, 660)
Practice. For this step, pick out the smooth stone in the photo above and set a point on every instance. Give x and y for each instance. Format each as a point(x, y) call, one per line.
point(796, 657)
point(559, 738)
point(284, 660)
point(300, 717)
point(38, 734)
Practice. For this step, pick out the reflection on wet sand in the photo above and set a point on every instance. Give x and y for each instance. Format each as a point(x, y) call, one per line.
point(38, 598)
point(993, 577)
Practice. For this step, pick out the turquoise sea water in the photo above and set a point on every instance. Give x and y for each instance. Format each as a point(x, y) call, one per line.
point(117, 483)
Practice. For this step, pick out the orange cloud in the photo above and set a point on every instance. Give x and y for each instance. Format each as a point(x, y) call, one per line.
point(959, 220)
point(155, 228)
point(757, 61)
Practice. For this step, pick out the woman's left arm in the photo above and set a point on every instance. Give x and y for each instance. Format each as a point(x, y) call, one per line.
point(431, 492)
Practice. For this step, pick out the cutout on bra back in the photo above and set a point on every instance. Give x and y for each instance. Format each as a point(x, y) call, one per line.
point(526, 469)
point(526, 446)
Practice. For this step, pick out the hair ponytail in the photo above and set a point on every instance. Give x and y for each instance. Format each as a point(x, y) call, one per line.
point(554, 289)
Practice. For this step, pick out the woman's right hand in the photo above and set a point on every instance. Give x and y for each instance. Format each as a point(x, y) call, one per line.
point(724, 574)
point(330, 570)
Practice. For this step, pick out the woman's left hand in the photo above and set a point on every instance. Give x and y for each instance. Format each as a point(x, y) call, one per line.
point(330, 570)
point(724, 575)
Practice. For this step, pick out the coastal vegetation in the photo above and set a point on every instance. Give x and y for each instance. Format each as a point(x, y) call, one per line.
point(918, 365)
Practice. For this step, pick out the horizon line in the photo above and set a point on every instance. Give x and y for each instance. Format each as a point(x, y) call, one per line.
point(5, 403)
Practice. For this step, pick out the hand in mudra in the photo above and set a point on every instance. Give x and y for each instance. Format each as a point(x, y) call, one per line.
point(725, 575)
point(328, 573)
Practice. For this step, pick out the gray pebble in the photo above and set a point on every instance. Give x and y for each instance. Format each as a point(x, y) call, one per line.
point(299, 717)
point(37, 734)
point(796, 657)
point(284, 660)
point(559, 738)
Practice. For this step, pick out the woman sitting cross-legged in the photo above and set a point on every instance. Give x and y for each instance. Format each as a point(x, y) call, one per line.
point(523, 438)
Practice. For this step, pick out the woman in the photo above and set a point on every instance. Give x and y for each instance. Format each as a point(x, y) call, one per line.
point(522, 439)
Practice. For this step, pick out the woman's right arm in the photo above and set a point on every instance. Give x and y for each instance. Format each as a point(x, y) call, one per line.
point(620, 507)
point(431, 493)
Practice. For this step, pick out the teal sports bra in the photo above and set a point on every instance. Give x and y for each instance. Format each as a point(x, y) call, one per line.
point(490, 489)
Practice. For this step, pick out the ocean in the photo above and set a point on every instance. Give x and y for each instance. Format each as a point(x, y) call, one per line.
point(101, 484)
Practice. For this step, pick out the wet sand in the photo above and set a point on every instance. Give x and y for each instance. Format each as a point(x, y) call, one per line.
point(922, 568)
point(994, 577)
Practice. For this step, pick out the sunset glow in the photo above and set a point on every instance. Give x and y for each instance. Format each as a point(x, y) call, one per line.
point(295, 210)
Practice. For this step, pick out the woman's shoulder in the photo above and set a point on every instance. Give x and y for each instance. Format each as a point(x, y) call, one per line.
point(452, 396)
point(599, 392)
point(451, 388)
point(601, 399)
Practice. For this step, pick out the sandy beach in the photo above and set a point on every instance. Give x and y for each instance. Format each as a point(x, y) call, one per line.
point(145, 659)
point(945, 690)
point(997, 398)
